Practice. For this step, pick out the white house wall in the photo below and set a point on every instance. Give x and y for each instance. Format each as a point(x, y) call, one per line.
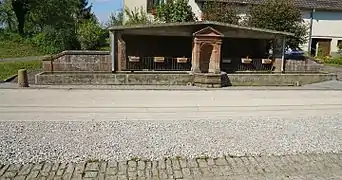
point(196, 8)
point(326, 25)
point(131, 4)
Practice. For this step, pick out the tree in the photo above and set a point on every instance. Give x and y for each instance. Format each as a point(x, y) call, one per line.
point(220, 12)
point(52, 23)
point(136, 16)
point(7, 17)
point(115, 19)
point(84, 10)
point(91, 35)
point(175, 11)
point(21, 8)
point(54, 13)
point(52, 40)
point(280, 15)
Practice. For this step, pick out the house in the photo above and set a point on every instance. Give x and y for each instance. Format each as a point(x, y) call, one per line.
point(323, 17)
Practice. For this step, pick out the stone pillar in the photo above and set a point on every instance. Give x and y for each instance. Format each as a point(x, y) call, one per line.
point(277, 54)
point(47, 65)
point(214, 65)
point(277, 65)
point(113, 49)
point(196, 57)
point(22, 78)
point(122, 61)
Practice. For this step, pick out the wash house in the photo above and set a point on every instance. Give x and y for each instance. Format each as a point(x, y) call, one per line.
point(198, 47)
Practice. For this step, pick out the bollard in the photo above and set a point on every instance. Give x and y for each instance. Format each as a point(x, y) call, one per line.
point(22, 78)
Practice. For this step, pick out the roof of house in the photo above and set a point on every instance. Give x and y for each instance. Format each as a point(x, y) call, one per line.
point(308, 4)
point(197, 23)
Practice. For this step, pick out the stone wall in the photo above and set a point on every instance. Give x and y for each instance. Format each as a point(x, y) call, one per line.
point(306, 65)
point(89, 61)
point(298, 65)
point(253, 79)
point(277, 79)
point(114, 79)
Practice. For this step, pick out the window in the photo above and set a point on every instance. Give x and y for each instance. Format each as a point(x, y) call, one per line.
point(152, 3)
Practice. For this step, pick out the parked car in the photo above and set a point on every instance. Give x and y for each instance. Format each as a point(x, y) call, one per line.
point(294, 53)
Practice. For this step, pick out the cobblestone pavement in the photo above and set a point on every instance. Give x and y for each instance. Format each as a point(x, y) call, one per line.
point(300, 166)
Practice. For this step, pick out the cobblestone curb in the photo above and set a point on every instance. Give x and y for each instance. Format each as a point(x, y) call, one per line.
point(304, 166)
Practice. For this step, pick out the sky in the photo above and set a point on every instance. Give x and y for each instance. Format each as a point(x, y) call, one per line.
point(103, 8)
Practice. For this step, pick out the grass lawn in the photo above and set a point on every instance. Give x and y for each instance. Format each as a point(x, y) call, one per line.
point(13, 49)
point(8, 69)
point(335, 61)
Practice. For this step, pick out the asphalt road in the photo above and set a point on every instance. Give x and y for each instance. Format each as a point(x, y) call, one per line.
point(61, 105)
point(289, 134)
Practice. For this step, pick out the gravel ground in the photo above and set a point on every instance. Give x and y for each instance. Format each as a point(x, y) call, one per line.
point(75, 141)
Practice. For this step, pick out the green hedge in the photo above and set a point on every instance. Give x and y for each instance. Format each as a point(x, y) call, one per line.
point(336, 60)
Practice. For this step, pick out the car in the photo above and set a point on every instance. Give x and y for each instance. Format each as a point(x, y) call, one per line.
point(294, 51)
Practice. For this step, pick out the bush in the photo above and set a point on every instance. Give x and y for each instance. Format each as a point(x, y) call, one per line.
point(175, 11)
point(136, 17)
point(336, 60)
point(52, 41)
point(91, 36)
point(10, 36)
point(13, 45)
point(339, 46)
point(220, 12)
point(115, 19)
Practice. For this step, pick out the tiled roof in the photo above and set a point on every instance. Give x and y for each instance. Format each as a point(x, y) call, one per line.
point(311, 4)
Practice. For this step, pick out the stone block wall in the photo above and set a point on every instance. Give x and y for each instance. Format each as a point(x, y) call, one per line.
point(302, 66)
point(277, 79)
point(90, 61)
point(113, 79)
point(293, 65)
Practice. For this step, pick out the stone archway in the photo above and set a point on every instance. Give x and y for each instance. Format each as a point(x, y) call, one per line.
point(206, 52)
